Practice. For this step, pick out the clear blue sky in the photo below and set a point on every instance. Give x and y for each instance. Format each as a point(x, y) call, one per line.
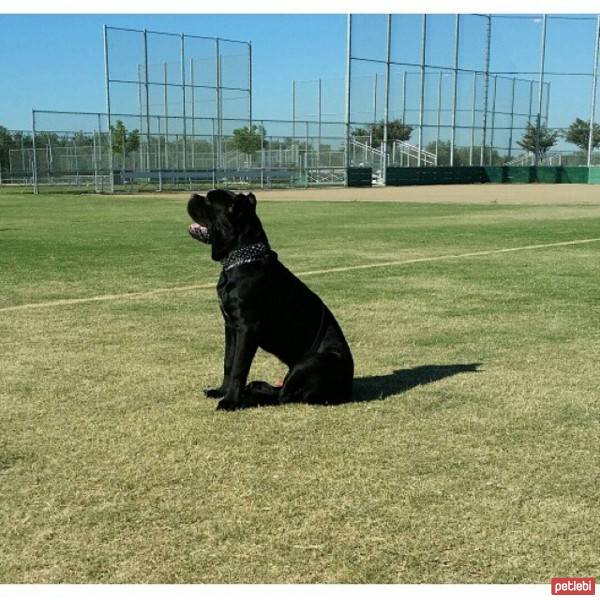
point(56, 61)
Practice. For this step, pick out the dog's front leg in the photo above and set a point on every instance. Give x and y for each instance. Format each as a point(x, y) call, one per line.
point(245, 349)
point(227, 365)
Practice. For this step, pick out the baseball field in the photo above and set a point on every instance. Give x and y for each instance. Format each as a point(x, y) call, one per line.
point(470, 453)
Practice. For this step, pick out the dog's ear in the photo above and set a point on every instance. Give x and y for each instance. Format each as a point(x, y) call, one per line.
point(243, 204)
point(194, 198)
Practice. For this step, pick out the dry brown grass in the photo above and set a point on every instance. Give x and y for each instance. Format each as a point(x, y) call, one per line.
point(113, 467)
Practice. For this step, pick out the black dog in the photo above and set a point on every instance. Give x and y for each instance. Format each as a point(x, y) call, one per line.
point(264, 305)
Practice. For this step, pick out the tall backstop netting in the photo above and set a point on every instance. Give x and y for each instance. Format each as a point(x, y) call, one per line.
point(179, 114)
point(419, 91)
point(467, 90)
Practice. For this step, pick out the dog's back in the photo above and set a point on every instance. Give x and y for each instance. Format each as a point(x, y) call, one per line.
point(290, 319)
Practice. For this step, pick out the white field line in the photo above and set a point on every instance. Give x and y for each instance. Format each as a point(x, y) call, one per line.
point(205, 286)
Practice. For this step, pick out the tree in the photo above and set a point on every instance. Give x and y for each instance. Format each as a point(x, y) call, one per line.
point(81, 140)
point(461, 155)
point(248, 139)
point(119, 137)
point(538, 139)
point(132, 142)
point(123, 141)
point(396, 131)
point(361, 132)
point(46, 138)
point(199, 145)
point(12, 141)
point(21, 139)
point(284, 144)
point(579, 134)
point(6, 143)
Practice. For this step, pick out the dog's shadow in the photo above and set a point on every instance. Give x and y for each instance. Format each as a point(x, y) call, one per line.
point(379, 387)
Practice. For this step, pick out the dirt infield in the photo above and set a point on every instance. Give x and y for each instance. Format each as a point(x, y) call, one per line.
point(532, 194)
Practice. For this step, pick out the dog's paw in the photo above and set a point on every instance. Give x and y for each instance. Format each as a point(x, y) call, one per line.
point(214, 392)
point(228, 405)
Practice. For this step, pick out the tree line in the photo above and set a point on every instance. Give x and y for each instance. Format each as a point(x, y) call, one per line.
point(535, 139)
point(250, 139)
point(123, 141)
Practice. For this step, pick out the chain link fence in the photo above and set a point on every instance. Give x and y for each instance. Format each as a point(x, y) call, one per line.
point(79, 151)
point(479, 89)
point(420, 90)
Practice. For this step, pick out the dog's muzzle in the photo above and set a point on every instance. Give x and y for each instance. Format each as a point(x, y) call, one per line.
point(200, 233)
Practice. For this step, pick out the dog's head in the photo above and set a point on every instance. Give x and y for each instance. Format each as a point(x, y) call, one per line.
point(225, 220)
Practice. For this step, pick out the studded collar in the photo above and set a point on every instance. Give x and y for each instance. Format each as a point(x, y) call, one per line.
point(245, 255)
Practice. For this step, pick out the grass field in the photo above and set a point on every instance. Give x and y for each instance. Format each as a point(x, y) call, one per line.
point(471, 454)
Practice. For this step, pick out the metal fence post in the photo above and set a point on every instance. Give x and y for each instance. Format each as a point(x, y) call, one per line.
point(375, 99)
point(192, 112)
point(22, 151)
point(530, 101)
point(486, 87)
point(348, 88)
point(100, 152)
point(293, 108)
point(141, 112)
point(386, 107)
point(250, 81)
point(94, 161)
point(76, 162)
point(306, 154)
point(214, 155)
point(218, 100)
point(473, 119)
point(111, 184)
point(166, 113)
point(182, 66)
point(319, 121)
point(34, 168)
point(49, 158)
point(439, 114)
point(262, 156)
point(158, 158)
point(541, 89)
point(455, 88)
point(422, 96)
point(494, 90)
point(147, 90)
point(404, 97)
point(512, 119)
point(594, 90)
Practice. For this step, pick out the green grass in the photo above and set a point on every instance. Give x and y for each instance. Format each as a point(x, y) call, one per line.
point(114, 468)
